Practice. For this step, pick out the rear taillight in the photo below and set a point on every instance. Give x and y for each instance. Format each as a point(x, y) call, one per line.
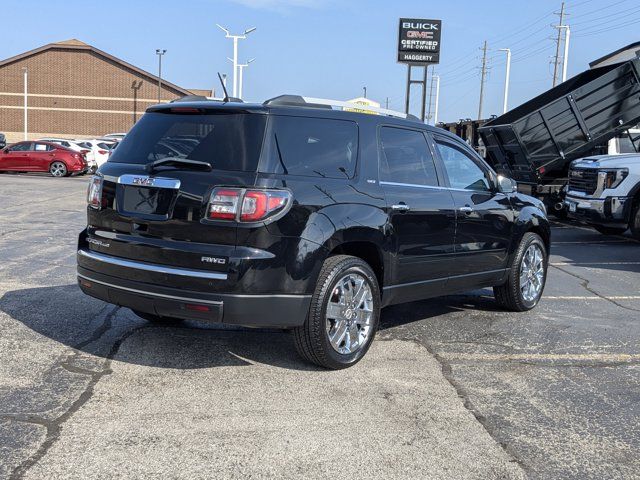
point(246, 205)
point(103, 152)
point(84, 152)
point(94, 193)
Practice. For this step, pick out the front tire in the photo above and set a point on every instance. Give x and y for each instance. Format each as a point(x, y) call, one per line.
point(635, 221)
point(527, 276)
point(343, 316)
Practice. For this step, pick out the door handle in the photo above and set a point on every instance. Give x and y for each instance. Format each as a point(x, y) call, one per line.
point(401, 207)
point(467, 210)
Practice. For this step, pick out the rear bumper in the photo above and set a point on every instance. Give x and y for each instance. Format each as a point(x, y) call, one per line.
point(278, 311)
point(275, 311)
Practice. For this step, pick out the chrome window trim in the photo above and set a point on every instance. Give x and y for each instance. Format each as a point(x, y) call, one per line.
point(156, 182)
point(152, 267)
point(434, 187)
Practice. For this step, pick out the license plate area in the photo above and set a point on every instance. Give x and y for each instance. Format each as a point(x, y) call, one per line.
point(144, 197)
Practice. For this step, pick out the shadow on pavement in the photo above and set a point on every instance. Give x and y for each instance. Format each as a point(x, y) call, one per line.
point(66, 315)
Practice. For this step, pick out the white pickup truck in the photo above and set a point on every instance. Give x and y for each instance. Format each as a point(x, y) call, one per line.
point(604, 190)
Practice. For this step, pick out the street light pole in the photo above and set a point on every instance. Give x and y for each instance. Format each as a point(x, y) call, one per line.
point(565, 60)
point(506, 80)
point(435, 110)
point(160, 53)
point(241, 67)
point(26, 77)
point(235, 38)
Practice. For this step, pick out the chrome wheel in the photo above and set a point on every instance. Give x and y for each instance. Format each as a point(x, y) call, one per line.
point(349, 314)
point(532, 273)
point(58, 169)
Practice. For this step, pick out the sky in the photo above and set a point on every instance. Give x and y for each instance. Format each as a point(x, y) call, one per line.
point(333, 48)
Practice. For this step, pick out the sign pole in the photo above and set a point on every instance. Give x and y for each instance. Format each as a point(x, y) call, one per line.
point(424, 93)
point(408, 94)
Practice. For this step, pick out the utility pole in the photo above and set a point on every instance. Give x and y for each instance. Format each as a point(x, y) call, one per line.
point(506, 80)
point(430, 94)
point(160, 53)
point(483, 76)
point(235, 39)
point(386, 104)
point(556, 59)
point(26, 77)
point(364, 92)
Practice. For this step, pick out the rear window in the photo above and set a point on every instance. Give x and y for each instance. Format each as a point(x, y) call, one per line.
point(226, 141)
point(314, 147)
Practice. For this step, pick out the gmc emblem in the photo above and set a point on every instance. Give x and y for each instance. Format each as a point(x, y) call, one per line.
point(143, 181)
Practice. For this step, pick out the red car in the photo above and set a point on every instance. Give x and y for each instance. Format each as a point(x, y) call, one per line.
point(49, 157)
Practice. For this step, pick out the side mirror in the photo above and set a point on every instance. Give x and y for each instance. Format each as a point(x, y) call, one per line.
point(506, 184)
point(5, 150)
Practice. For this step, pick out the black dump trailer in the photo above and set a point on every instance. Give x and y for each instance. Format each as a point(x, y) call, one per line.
point(535, 142)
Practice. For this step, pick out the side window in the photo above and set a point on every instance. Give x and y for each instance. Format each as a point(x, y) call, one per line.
point(40, 147)
point(314, 147)
point(463, 172)
point(406, 157)
point(21, 147)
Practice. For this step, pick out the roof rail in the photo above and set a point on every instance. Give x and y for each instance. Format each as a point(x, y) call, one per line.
point(312, 102)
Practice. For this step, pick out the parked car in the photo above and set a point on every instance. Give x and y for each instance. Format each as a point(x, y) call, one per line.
point(99, 148)
point(76, 147)
point(289, 215)
point(3, 141)
point(40, 156)
point(114, 136)
point(604, 192)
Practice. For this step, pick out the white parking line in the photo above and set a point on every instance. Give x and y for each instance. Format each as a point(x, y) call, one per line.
point(590, 297)
point(629, 240)
point(532, 357)
point(560, 264)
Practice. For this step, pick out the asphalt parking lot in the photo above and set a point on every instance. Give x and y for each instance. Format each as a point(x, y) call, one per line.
point(452, 387)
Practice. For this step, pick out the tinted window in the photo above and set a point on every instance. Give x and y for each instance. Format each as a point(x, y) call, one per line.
point(42, 147)
point(21, 147)
point(462, 171)
point(84, 144)
point(626, 145)
point(406, 157)
point(316, 147)
point(226, 141)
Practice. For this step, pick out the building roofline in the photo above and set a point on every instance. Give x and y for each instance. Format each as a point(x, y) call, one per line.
point(612, 54)
point(78, 45)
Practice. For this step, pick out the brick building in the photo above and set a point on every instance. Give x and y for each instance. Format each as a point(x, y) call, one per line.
point(75, 90)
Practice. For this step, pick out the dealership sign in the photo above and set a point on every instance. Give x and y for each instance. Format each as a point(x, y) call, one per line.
point(419, 41)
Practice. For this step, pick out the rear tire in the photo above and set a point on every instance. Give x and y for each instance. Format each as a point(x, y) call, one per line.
point(609, 230)
point(58, 169)
point(157, 319)
point(343, 316)
point(525, 271)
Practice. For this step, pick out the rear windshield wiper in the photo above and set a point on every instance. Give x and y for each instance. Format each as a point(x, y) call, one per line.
point(178, 162)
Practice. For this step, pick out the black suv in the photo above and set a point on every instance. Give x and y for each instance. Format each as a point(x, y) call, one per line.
point(296, 215)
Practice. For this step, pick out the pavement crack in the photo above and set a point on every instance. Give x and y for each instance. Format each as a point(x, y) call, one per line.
point(54, 426)
point(447, 372)
point(585, 285)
